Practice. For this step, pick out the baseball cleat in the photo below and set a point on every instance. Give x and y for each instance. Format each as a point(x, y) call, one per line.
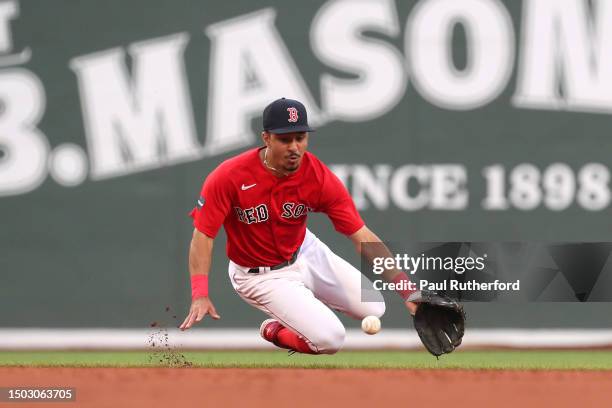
point(269, 330)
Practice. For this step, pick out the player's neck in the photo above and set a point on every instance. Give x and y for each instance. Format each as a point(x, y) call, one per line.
point(271, 167)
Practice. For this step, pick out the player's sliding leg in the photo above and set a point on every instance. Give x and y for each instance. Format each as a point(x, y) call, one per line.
point(337, 283)
point(307, 325)
point(273, 331)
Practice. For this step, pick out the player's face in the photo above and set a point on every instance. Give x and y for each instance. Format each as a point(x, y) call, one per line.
point(286, 151)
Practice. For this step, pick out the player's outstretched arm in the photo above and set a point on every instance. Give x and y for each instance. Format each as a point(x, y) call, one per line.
point(364, 234)
point(438, 320)
point(200, 256)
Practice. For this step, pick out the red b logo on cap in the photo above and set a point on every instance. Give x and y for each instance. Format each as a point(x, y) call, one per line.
point(293, 114)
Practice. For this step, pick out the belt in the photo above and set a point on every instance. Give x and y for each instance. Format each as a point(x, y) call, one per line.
point(275, 267)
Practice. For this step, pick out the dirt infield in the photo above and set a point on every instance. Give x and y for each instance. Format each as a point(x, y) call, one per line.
point(186, 387)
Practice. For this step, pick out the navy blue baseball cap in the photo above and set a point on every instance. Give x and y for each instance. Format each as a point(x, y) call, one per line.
point(285, 116)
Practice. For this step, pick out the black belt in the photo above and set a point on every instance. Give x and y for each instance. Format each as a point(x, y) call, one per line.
point(279, 266)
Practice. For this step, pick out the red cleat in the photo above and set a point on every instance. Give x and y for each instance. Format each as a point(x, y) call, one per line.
point(269, 331)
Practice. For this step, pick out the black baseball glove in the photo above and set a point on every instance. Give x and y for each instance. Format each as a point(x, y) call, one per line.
point(439, 321)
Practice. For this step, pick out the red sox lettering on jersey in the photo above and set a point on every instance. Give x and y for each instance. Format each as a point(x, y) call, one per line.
point(264, 215)
point(260, 213)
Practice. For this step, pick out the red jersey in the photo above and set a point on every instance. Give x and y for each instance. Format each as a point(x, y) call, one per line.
point(264, 215)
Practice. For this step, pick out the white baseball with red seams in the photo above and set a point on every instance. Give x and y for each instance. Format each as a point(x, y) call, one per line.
point(370, 324)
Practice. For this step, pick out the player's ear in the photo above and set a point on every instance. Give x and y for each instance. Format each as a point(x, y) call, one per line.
point(265, 137)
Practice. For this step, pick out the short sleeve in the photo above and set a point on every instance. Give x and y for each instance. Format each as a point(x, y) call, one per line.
point(336, 202)
point(213, 205)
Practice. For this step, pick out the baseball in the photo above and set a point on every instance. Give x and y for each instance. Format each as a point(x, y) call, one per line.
point(370, 324)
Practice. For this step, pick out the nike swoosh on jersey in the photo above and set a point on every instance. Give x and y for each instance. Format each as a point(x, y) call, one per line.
point(247, 187)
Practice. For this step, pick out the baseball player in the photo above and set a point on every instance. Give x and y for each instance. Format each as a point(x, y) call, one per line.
point(262, 197)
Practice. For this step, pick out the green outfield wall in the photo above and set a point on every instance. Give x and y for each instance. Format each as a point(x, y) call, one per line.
point(471, 120)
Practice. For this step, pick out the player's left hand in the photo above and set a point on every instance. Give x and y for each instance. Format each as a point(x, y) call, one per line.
point(199, 308)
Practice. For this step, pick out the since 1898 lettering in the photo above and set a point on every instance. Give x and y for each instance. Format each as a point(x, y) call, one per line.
point(452, 187)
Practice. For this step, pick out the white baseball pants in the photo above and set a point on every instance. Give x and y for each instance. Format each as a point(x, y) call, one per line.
point(300, 295)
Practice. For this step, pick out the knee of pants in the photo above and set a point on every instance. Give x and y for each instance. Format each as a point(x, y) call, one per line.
point(331, 340)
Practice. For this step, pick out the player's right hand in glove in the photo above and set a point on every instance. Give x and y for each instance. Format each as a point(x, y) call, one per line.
point(438, 320)
point(200, 307)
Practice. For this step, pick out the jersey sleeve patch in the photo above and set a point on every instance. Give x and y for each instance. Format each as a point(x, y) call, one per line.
point(200, 202)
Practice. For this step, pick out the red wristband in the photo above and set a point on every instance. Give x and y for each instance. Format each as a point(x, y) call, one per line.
point(402, 286)
point(199, 286)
